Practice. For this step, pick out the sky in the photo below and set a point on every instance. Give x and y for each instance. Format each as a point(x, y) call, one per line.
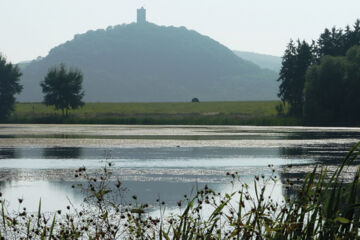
point(30, 28)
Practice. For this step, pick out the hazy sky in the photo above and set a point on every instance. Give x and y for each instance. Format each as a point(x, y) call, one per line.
point(30, 28)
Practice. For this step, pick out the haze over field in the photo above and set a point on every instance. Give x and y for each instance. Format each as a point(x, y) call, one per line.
point(262, 60)
point(133, 63)
point(144, 62)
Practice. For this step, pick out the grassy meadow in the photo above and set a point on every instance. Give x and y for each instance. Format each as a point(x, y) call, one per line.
point(253, 113)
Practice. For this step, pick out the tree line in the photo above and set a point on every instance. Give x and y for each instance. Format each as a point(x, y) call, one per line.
point(320, 81)
point(62, 88)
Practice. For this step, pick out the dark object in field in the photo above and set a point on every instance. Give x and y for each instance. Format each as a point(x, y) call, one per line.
point(195, 100)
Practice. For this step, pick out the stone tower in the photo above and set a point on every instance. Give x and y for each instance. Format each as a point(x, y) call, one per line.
point(141, 15)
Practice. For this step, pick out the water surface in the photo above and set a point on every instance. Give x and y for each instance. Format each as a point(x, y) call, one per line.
point(38, 161)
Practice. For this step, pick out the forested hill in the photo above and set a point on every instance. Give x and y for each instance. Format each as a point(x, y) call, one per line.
point(147, 63)
point(262, 60)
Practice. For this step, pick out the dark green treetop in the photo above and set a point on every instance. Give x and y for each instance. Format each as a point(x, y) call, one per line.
point(63, 89)
point(9, 87)
point(336, 42)
point(296, 60)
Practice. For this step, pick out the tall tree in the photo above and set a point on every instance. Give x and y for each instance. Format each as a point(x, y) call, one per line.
point(296, 60)
point(63, 89)
point(328, 74)
point(9, 87)
point(352, 78)
point(352, 36)
point(332, 90)
point(336, 42)
point(324, 91)
point(331, 43)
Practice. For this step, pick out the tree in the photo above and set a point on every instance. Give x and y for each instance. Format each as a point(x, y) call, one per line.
point(324, 91)
point(9, 87)
point(63, 89)
point(332, 43)
point(296, 60)
point(336, 42)
point(332, 90)
point(331, 71)
point(352, 87)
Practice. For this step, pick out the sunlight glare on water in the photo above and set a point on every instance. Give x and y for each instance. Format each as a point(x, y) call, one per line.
point(38, 161)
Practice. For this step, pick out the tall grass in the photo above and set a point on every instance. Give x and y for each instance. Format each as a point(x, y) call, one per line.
point(325, 207)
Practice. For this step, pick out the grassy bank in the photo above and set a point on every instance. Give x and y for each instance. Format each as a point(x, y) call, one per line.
point(212, 113)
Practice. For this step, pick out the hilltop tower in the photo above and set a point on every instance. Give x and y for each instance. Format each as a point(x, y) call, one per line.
point(141, 15)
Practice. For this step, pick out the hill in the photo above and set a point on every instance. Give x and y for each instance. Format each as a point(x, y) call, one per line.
point(150, 63)
point(262, 60)
point(23, 65)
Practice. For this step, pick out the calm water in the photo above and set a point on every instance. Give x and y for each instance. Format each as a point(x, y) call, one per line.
point(38, 161)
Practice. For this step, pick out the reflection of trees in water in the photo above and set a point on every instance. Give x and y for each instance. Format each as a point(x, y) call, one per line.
point(307, 135)
point(62, 152)
point(289, 191)
point(291, 152)
point(322, 155)
point(6, 153)
point(2, 185)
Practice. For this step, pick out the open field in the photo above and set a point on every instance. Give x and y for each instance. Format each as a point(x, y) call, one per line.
point(264, 108)
point(253, 113)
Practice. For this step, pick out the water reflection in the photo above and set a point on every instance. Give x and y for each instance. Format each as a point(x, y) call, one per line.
point(167, 170)
point(56, 195)
point(198, 134)
point(323, 155)
point(53, 195)
point(62, 153)
point(8, 153)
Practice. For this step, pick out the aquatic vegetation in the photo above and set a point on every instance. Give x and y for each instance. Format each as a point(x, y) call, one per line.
point(324, 207)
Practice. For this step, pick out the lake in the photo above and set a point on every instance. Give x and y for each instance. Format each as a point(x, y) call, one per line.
point(166, 162)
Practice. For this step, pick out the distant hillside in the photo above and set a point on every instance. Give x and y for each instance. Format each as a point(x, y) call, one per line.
point(23, 65)
point(262, 60)
point(148, 63)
